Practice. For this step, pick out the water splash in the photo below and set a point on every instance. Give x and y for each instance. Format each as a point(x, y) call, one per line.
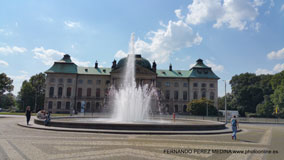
point(131, 101)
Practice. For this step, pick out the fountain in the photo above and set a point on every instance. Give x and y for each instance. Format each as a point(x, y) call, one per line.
point(131, 101)
point(131, 105)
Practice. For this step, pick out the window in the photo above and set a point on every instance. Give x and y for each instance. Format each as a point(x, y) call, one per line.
point(88, 107)
point(60, 92)
point(184, 108)
point(185, 84)
point(97, 106)
point(80, 81)
point(107, 82)
point(167, 84)
point(69, 80)
point(51, 91)
point(195, 84)
point(89, 92)
point(52, 80)
point(67, 105)
point(78, 106)
point(90, 81)
point(79, 92)
point(203, 94)
point(60, 80)
point(98, 93)
point(203, 85)
point(98, 82)
point(212, 95)
point(167, 94)
point(176, 108)
point(195, 95)
point(211, 85)
point(159, 84)
point(50, 105)
point(58, 105)
point(176, 84)
point(68, 92)
point(176, 95)
point(184, 97)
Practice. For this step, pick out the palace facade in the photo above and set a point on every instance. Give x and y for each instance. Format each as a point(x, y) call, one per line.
point(69, 87)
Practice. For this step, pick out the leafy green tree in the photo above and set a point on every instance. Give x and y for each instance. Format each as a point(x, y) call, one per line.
point(5, 84)
point(7, 101)
point(265, 109)
point(199, 107)
point(32, 92)
point(278, 100)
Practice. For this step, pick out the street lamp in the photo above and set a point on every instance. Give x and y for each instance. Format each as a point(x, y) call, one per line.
point(225, 103)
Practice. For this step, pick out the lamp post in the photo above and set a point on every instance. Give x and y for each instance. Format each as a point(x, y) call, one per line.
point(225, 103)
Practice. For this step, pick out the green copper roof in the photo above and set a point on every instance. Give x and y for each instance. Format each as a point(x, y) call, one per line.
point(200, 70)
point(94, 71)
point(138, 60)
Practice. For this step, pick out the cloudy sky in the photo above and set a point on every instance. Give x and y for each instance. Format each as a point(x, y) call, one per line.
point(231, 36)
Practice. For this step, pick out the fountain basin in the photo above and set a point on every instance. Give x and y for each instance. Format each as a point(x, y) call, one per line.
point(153, 125)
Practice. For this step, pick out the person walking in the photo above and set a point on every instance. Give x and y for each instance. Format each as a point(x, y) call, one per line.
point(235, 126)
point(28, 114)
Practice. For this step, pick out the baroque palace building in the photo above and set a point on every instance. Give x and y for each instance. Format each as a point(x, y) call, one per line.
point(69, 87)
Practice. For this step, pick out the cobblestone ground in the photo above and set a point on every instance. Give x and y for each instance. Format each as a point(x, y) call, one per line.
point(19, 143)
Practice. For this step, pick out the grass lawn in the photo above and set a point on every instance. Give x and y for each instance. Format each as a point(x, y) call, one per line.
point(21, 113)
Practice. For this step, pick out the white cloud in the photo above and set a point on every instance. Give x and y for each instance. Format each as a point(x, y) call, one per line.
point(258, 2)
point(278, 67)
point(120, 54)
point(260, 71)
point(72, 24)
point(276, 54)
point(3, 63)
point(178, 14)
point(163, 42)
point(187, 58)
point(5, 32)
point(282, 8)
point(256, 26)
point(49, 56)
point(8, 50)
point(215, 67)
point(232, 13)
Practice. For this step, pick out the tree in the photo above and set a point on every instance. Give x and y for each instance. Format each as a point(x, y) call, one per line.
point(199, 107)
point(32, 92)
point(265, 109)
point(5, 84)
point(7, 101)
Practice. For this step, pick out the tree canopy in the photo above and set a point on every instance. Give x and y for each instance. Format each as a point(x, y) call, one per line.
point(5, 84)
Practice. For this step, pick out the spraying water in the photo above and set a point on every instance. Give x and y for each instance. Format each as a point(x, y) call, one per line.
point(131, 101)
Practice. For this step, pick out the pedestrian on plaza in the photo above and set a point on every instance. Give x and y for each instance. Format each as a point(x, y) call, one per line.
point(47, 120)
point(235, 126)
point(28, 114)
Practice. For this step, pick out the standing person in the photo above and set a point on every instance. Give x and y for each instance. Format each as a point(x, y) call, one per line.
point(28, 114)
point(235, 126)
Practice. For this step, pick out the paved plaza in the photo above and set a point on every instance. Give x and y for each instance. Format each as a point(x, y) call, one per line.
point(19, 143)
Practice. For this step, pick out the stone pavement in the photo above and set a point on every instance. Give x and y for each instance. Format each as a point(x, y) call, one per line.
point(19, 143)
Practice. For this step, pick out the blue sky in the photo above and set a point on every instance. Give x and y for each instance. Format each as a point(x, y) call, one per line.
point(231, 36)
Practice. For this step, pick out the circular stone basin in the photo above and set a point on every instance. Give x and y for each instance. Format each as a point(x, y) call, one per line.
point(147, 125)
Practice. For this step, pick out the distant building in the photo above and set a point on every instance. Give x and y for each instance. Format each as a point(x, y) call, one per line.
point(69, 85)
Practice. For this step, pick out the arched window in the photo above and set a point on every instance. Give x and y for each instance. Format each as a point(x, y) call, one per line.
point(59, 92)
point(167, 108)
point(50, 105)
point(176, 108)
point(68, 92)
point(212, 96)
point(184, 108)
point(97, 106)
point(88, 107)
point(51, 91)
point(67, 105)
point(58, 105)
point(89, 92)
point(195, 95)
point(203, 93)
point(78, 106)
